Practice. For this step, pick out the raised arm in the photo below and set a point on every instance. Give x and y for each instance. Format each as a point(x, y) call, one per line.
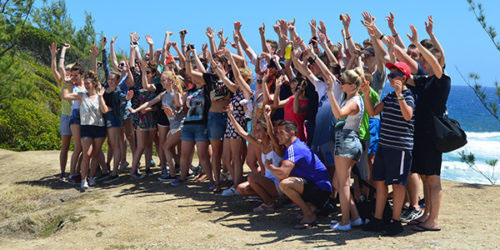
point(270, 132)
point(248, 50)
point(380, 52)
point(196, 76)
point(350, 108)
point(323, 42)
point(262, 32)
point(62, 69)
point(150, 42)
point(403, 57)
point(65, 95)
point(277, 102)
point(210, 34)
point(199, 65)
point(349, 43)
point(102, 104)
point(429, 58)
point(435, 42)
point(390, 22)
point(372, 111)
point(222, 75)
point(94, 52)
point(236, 71)
point(241, 131)
point(297, 108)
point(105, 60)
point(145, 84)
point(182, 59)
point(53, 64)
point(165, 49)
point(112, 51)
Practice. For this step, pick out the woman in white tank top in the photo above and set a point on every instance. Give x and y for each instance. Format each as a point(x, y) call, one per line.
point(93, 131)
point(266, 187)
point(347, 144)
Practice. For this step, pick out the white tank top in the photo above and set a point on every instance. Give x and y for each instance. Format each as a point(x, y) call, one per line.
point(90, 114)
point(275, 160)
point(353, 122)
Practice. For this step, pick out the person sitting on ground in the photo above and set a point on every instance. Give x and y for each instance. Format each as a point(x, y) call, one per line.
point(304, 178)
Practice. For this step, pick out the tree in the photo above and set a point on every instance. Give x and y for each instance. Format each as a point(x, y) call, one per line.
point(54, 18)
point(13, 17)
point(491, 107)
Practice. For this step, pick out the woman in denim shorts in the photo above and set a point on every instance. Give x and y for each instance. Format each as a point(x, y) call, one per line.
point(347, 143)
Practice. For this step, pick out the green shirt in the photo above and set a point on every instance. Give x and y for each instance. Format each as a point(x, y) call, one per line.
point(66, 107)
point(364, 129)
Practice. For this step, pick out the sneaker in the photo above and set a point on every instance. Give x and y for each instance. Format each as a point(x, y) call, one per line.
point(356, 223)
point(123, 166)
point(164, 173)
point(338, 227)
point(112, 178)
point(374, 225)
point(411, 214)
point(149, 172)
point(92, 181)
point(167, 178)
point(84, 185)
point(177, 182)
point(264, 208)
point(394, 228)
point(230, 192)
point(153, 164)
point(62, 177)
point(136, 176)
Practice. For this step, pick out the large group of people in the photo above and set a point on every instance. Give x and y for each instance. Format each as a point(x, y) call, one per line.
point(307, 121)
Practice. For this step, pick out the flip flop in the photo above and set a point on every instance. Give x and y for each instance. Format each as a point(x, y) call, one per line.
point(305, 225)
point(419, 228)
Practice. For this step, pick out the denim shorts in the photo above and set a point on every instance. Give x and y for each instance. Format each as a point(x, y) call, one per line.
point(347, 144)
point(216, 125)
point(91, 131)
point(75, 117)
point(64, 128)
point(111, 120)
point(194, 132)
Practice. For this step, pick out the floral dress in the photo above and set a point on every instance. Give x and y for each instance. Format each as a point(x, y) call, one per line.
point(239, 116)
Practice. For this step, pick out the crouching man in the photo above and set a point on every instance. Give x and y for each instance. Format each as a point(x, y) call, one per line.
point(303, 177)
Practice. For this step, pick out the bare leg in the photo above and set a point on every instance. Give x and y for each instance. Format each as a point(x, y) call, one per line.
point(162, 137)
point(293, 188)
point(217, 148)
point(436, 192)
point(398, 200)
point(170, 144)
point(382, 192)
point(187, 148)
point(204, 157)
point(236, 145)
point(63, 155)
point(114, 140)
point(75, 131)
point(264, 187)
point(87, 153)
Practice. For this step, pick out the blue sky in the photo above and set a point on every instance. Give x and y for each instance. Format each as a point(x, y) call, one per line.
point(465, 43)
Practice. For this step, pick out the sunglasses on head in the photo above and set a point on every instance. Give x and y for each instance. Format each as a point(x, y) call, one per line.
point(393, 75)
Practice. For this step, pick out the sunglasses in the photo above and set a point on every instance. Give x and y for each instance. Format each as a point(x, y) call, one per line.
point(149, 72)
point(393, 75)
point(122, 64)
point(259, 81)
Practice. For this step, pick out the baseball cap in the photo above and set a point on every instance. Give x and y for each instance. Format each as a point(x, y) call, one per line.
point(403, 67)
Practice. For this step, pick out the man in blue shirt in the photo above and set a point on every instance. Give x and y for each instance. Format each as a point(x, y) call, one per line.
point(303, 178)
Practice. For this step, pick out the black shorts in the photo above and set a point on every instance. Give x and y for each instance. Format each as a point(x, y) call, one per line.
point(391, 165)
point(161, 118)
point(426, 159)
point(92, 131)
point(314, 195)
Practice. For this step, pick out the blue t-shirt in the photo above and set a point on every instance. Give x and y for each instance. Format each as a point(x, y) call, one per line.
point(308, 165)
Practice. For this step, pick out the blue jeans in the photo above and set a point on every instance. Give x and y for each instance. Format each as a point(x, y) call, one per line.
point(216, 125)
point(194, 132)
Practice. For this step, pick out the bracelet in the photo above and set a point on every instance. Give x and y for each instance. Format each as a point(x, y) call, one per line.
point(381, 37)
point(401, 98)
point(347, 38)
point(395, 35)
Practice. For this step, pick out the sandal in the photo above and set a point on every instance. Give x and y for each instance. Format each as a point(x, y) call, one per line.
point(419, 228)
point(305, 225)
point(415, 222)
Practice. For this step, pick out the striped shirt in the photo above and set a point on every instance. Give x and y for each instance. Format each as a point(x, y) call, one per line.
point(395, 131)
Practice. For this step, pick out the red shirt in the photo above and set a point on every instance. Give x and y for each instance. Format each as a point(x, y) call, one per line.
point(296, 118)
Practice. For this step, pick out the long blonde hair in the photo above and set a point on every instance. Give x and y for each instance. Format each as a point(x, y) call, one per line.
point(354, 76)
point(176, 81)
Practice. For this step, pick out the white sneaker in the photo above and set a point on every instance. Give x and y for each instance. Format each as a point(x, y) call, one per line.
point(230, 192)
point(92, 181)
point(84, 185)
point(338, 227)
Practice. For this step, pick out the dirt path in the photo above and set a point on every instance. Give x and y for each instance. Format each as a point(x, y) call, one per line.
point(149, 214)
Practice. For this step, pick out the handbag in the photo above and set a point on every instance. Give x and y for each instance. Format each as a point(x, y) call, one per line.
point(448, 135)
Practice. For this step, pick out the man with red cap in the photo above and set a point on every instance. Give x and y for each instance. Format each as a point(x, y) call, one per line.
point(394, 155)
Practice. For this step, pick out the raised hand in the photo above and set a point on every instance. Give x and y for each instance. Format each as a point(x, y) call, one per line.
point(346, 20)
point(322, 38)
point(220, 34)
point(390, 20)
point(210, 33)
point(267, 111)
point(368, 18)
point(113, 40)
point(237, 26)
point(169, 33)
point(414, 36)
point(276, 28)
point(312, 25)
point(284, 25)
point(262, 29)
point(66, 46)
point(173, 44)
point(292, 23)
point(236, 38)
point(104, 42)
point(53, 49)
point(130, 94)
point(144, 65)
point(390, 42)
point(149, 39)
point(204, 48)
point(429, 25)
point(183, 33)
point(322, 27)
point(168, 111)
point(100, 90)
point(365, 88)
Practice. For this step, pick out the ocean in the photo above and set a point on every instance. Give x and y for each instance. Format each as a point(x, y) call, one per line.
point(483, 135)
